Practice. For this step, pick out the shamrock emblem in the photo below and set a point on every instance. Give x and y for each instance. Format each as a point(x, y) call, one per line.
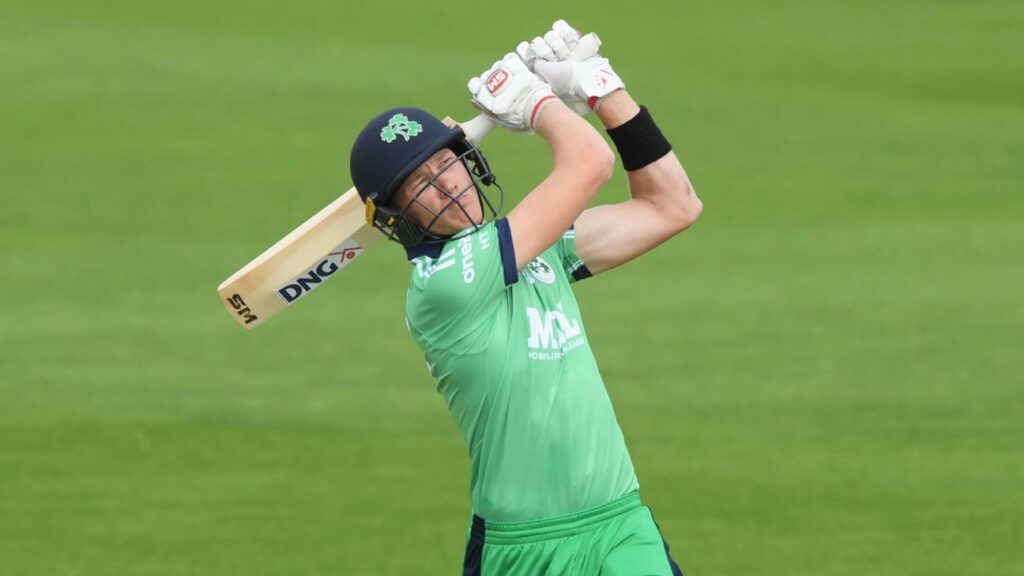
point(400, 125)
point(542, 271)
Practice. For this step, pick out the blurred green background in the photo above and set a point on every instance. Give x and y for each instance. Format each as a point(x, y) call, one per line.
point(823, 376)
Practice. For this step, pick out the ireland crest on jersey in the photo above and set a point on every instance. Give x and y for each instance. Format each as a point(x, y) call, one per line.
point(540, 271)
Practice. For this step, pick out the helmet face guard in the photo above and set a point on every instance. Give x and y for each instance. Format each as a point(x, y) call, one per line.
point(395, 144)
point(396, 224)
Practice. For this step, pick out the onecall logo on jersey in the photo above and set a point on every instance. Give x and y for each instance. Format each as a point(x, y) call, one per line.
point(466, 251)
point(552, 333)
point(540, 271)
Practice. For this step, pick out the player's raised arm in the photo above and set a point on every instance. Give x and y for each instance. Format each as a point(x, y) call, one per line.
point(663, 201)
point(582, 161)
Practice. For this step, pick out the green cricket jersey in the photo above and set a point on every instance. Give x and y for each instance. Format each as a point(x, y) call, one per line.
point(510, 357)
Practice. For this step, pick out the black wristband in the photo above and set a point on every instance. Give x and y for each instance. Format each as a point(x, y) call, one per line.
point(639, 141)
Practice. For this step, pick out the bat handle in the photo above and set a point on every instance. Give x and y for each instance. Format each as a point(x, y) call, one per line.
point(477, 128)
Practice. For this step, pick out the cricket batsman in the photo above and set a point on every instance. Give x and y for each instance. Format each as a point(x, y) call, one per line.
point(491, 304)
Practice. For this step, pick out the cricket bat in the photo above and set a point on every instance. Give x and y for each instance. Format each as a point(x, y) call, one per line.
point(311, 254)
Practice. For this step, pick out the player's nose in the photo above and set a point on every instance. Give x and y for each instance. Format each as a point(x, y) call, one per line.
point(448, 181)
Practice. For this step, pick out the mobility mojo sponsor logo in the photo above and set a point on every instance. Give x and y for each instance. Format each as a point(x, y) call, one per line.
point(552, 333)
point(305, 283)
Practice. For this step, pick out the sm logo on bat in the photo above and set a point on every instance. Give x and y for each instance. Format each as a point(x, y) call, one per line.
point(313, 277)
point(241, 308)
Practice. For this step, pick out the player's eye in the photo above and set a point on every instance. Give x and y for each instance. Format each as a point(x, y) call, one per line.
point(415, 183)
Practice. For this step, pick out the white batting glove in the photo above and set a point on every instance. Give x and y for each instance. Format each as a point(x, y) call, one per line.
point(571, 65)
point(511, 94)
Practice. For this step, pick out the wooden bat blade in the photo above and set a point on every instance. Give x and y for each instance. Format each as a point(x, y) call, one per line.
point(309, 255)
point(305, 258)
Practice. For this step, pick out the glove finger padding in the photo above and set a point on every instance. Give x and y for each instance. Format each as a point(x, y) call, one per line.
point(542, 50)
point(568, 34)
point(570, 63)
point(592, 77)
point(586, 48)
point(511, 94)
point(525, 52)
point(557, 45)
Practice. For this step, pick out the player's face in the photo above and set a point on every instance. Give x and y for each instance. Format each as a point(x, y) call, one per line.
point(440, 196)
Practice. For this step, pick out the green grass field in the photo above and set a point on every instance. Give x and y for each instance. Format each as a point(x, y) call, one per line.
point(823, 377)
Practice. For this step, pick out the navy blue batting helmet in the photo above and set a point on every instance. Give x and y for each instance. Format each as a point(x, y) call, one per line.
point(389, 149)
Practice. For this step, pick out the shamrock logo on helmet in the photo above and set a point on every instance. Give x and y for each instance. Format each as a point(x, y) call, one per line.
point(400, 125)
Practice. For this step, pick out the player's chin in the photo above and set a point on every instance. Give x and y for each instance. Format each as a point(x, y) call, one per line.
point(476, 215)
point(467, 211)
point(471, 203)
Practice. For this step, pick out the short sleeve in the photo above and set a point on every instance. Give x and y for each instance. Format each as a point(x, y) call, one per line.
point(571, 262)
point(455, 295)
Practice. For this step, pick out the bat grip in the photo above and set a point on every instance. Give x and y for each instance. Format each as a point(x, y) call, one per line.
point(477, 128)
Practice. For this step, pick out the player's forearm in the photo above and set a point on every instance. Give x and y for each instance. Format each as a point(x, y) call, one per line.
point(664, 183)
point(583, 162)
point(576, 148)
